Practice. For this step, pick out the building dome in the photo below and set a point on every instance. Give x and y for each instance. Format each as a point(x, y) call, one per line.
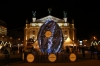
point(3, 28)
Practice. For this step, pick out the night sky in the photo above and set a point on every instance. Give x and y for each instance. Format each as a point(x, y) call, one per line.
point(86, 14)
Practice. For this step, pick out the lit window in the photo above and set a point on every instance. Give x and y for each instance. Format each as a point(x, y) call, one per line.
point(40, 24)
point(65, 24)
point(33, 24)
point(84, 45)
point(80, 42)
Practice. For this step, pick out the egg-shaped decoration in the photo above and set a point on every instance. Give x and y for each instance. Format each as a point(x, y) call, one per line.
point(50, 37)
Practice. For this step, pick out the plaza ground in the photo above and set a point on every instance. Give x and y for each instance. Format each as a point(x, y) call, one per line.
point(81, 63)
point(16, 60)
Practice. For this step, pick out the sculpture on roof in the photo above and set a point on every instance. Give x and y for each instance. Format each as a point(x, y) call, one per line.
point(49, 10)
point(34, 13)
point(65, 14)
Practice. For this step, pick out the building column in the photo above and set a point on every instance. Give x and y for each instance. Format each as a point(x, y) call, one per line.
point(25, 38)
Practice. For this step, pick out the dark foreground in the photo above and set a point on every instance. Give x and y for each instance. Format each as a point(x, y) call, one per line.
point(16, 60)
point(82, 63)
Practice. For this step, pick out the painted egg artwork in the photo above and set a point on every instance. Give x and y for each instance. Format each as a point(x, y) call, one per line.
point(50, 37)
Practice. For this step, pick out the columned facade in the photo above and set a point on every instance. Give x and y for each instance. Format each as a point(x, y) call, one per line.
point(32, 28)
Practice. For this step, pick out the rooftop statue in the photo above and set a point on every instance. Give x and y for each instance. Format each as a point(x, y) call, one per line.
point(65, 14)
point(34, 13)
point(49, 10)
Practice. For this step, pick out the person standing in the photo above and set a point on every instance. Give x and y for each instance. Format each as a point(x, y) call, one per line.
point(67, 49)
point(7, 54)
point(98, 49)
point(92, 49)
point(83, 51)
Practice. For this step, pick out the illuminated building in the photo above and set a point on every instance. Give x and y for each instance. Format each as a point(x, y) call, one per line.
point(32, 29)
point(3, 30)
point(3, 34)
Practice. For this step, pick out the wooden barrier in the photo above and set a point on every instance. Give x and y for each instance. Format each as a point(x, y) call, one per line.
point(49, 58)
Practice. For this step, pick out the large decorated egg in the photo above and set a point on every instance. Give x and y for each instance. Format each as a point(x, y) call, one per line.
point(50, 37)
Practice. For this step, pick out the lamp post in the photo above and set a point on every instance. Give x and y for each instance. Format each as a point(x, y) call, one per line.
point(94, 41)
point(18, 44)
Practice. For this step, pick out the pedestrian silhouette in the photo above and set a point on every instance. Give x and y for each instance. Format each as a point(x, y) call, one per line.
point(92, 49)
point(98, 49)
point(83, 51)
point(7, 54)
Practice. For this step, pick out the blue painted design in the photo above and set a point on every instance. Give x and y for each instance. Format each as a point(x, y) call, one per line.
point(53, 43)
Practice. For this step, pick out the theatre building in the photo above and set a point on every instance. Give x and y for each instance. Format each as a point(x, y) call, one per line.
point(32, 29)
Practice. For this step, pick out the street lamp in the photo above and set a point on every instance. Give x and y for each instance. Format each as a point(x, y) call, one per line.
point(94, 38)
point(3, 38)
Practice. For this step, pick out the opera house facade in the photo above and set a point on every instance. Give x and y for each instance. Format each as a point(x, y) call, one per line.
point(48, 33)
